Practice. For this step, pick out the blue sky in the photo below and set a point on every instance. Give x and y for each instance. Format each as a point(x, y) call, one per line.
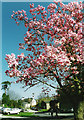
point(11, 36)
point(36, 0)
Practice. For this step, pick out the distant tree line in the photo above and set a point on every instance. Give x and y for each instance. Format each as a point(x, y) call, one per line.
point(11, 103)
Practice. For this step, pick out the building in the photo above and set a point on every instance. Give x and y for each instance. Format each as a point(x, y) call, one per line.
point(33, 102)
point(26, 105)
point(28, 102)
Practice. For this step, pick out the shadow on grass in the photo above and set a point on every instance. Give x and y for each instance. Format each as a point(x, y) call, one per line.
point(40, 118)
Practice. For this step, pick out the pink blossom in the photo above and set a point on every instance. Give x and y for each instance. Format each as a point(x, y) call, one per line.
point(28, 34)
point(31, 5)
point(53, 41)
point(20, 56)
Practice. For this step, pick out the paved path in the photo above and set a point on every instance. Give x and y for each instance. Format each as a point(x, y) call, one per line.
point(29, 110)
point(48, 114)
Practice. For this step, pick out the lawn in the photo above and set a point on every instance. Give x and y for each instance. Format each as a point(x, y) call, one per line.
point(22, 114)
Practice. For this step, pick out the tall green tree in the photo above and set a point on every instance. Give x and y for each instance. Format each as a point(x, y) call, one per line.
point(5, 100)
point(5, 86)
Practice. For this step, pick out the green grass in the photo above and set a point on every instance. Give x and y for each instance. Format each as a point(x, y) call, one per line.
point(22, 114)
point(42, 110)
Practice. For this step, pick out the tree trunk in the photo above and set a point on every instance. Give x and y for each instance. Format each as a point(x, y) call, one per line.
point(79, 111)
point(75, 112)
point(80, 114)
point(5, 91)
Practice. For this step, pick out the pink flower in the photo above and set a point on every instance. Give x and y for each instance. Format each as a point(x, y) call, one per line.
point(20, 56)
point(54, 42)
point(28, 34)
point(31, 5)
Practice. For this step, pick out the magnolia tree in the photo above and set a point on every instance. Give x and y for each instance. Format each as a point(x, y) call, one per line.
point(54, 42)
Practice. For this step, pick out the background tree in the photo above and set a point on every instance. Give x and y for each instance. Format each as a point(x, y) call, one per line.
point(43, 96)
point(5, 85)
point(11, 102)
point(42, 99)
point(13, 95)
point(0, 102)
point(54, 42)
point(20, 103)
point(5, 100)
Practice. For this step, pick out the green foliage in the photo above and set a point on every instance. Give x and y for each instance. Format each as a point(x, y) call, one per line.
point(19, 103)
point(10, 103)
point(42, 110)
point(5, 85)
point(43, 105)
point(0, 102)
point(44, 99)
point(15, 103)
point(5, 99)
point(38, 105)
point(28, 100)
